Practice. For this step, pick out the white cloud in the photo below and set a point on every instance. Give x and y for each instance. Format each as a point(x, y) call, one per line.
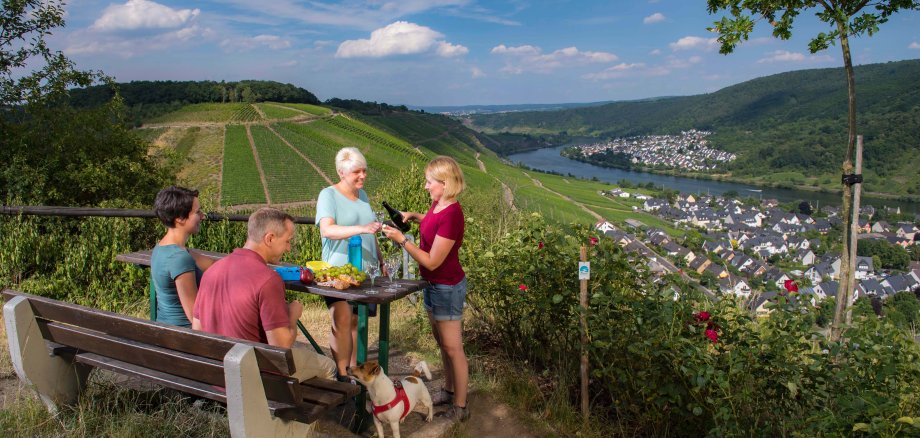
point(142, 14)
point(83, 42)
point(787, 56)
point(476, 72)
point(272, 42)
point(529, 58)
point(694, 43)
point(655, 52)
point(914, 45)
point(399, 38)
point(623, 70)
point(657, 17)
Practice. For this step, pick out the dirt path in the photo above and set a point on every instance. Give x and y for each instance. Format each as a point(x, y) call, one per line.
point(580, 205)
point(308, 160)
point(258, 110)
point(507, 195)
point(255, 154)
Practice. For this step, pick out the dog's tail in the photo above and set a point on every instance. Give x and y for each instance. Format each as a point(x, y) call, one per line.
point(422, 369)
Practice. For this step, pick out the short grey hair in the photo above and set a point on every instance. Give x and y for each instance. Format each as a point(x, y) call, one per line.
point(265, 220)
point(348, 159)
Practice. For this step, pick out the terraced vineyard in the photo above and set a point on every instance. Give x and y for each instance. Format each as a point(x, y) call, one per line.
point(274, 111)
point(240, 183)
point(290, 178)
point(211, 113)
point(312, 109)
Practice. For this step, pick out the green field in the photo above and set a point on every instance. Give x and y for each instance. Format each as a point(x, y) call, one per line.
point(240, 183)
point(274, 111)
point(211, 112)
point(307, 108)
point(289, 177)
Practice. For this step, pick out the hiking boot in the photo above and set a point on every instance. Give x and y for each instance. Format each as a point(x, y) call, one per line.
point(455, 413)
point(442, 397)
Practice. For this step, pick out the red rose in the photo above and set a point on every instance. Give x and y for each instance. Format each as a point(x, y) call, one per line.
point(522, 287)
point(702, 316)
point(593, 240)
point(791, 286)
point(540, 245)
point(712, 335)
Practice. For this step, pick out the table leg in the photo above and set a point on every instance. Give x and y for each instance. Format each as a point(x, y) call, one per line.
point(362, 417)
point(383, 348)
point(310, 338)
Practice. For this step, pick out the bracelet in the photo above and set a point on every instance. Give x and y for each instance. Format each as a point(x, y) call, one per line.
point(403, 243)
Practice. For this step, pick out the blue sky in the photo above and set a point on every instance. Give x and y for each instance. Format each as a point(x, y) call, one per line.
point(449, 52)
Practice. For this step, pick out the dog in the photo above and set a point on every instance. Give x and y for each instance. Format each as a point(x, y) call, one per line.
point(391, 401)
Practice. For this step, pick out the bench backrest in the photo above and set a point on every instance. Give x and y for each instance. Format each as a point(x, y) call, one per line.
point(175, 350)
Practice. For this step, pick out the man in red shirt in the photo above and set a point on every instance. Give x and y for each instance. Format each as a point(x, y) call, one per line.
point(241, 297)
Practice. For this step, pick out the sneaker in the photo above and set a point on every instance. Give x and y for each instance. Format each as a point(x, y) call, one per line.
point(455, 413)
point(443, 397)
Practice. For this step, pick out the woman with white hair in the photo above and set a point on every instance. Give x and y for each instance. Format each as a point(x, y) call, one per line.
point(343, 211)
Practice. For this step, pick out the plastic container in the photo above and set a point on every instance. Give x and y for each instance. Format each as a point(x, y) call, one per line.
point(354, 252)
point(288, 273)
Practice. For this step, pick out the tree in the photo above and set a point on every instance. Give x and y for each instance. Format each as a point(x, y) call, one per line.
point(52, 152)
point(847, 18)
point(805, 208)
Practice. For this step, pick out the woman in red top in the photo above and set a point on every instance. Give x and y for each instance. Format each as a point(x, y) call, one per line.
point(437, 254)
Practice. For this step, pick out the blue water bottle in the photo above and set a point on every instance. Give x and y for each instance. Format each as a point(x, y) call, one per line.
point(354, 252)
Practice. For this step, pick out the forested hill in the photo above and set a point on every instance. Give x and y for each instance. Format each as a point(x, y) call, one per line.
point(791, 122)
point(158, 92)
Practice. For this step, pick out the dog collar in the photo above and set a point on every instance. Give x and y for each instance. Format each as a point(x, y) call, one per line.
point(400, 397)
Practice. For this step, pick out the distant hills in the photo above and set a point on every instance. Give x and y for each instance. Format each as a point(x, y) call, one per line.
point(788, 129)
point(492, 109)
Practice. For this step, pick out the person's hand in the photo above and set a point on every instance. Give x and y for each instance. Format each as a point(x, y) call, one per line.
point(372, 227)
point(393, 233)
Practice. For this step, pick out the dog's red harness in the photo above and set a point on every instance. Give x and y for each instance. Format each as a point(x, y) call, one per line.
point(400, 397)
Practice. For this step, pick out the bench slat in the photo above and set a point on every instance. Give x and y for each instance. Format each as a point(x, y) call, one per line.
point(176, 363)
point(271, 359)
point(347, 390)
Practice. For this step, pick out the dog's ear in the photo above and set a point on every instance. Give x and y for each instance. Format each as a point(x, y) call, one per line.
point(374, 368)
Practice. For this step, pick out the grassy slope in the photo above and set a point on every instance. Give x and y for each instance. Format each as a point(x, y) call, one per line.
point(390, 142)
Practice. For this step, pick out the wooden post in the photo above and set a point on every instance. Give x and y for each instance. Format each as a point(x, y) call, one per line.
point(583, 301)
point(854, 232)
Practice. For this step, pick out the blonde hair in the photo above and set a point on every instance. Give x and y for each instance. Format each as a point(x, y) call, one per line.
point(348, 159)
point(267, 220)
point(446, 170)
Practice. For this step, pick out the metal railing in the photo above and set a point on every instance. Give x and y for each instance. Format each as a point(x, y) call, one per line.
point(122, 212)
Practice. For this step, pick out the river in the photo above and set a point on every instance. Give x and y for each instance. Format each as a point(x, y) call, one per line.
point(550, 160)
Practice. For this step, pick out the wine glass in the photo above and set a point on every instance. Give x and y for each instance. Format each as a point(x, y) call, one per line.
point(392, 263)
point(372, 271)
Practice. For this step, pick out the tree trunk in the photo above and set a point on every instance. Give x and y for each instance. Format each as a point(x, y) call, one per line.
point(845, 290)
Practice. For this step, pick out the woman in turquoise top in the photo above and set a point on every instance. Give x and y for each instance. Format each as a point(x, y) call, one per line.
point(343, 211)
point(174, 270)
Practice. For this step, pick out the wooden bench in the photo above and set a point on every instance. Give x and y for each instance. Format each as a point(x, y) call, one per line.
point(54, 345)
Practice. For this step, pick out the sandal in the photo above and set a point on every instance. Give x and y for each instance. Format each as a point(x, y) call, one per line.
point(455, 413)
point(444, 397)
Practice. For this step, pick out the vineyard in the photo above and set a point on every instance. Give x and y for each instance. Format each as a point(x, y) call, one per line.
point(289, 177)
point(211, 112)
point(274, 111)
point(245, 185)
point(307, 108)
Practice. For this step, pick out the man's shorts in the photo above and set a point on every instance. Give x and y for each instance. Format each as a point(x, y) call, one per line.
point(445, 301)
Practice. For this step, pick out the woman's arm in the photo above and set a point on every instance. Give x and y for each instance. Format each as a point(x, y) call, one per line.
point(429, 260)
point(330, 230)
point(187, 289)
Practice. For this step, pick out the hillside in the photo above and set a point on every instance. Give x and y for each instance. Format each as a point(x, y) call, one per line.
point(242, 155)
point(792, 124)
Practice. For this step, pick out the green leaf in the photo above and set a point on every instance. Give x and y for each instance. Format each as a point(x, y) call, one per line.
point(860, 427)
point(697, 411)
point(907, 420)
point(557, 299)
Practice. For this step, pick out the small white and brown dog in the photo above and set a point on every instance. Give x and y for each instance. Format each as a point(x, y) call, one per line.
point(392, 402)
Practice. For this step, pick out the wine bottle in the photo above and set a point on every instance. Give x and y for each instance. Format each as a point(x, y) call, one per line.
point(396, 216)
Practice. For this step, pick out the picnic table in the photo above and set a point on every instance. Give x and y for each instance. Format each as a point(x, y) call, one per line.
point(358, 295)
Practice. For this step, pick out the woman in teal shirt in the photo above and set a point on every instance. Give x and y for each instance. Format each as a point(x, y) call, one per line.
point(343, 211)
point(174, 270)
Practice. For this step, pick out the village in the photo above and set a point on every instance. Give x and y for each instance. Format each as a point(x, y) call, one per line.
point(751, 250)
point(687, 151)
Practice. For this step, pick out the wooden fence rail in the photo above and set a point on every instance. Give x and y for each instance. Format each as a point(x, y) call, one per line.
point(42, 210)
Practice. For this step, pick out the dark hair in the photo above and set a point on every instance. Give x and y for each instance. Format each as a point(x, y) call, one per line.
point(173, 203)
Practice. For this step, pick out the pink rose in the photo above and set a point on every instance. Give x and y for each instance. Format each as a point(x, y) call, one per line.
point(522, 287)
point(712, 335)
point(540, 245)
point(593, 240)
point(702, 316)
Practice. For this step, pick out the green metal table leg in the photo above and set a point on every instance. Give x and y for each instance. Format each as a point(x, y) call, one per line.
point(383, 355)
point(362, 417)
point(153, 301)
point(310, 338)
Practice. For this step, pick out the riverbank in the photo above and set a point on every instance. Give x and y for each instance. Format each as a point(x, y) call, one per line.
point(728, 177)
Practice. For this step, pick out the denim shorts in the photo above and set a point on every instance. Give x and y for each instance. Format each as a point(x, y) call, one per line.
point(445, 301)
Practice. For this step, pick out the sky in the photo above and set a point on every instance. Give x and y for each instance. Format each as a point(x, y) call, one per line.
point(450, 52)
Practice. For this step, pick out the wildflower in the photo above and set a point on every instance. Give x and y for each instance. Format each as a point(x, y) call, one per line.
point(523, 287)
point(702, 316)
point(712, 335)
point(593, 240)
point(540, 245)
